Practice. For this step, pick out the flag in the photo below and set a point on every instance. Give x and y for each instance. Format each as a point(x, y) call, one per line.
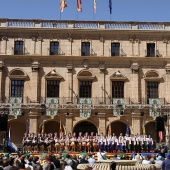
point(79, 8)
point(60, 129)
point(42, 130)
point(95, 6)
point(9, 132)
point(127, 128)
point(160, 136)
point(143, 127)
point(63, 4)
point(27, 127)
point(110, 6)
point(109, 129)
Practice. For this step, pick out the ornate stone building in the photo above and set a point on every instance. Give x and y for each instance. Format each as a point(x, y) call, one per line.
point(85, 74)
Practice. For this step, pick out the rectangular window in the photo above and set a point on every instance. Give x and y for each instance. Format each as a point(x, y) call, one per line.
point(19, 48)
point(85, 49)
point(152, 90)
point(54, 48)
point(52, 88)
point(117, 89)
point(150, 49)
point(115, 49)
point(85, 88)
point(17, 88)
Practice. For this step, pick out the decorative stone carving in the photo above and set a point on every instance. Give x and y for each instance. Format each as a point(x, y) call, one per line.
point(86, 64)
point(69, 67)
point(135, 68)
point(35, 66)
point(167, 69)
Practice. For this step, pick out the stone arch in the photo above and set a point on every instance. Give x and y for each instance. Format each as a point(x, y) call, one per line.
point(85, 126)
point(17, 127)
point(51, 126)
point(118, 127)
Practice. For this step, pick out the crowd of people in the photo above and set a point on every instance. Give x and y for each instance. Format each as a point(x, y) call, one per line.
point(48, 161)
point(43, 142)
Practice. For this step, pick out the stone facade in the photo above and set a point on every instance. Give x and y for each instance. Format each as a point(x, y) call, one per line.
point(35, 66)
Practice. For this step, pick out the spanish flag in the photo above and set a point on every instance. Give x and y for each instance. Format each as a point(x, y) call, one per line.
point(60, 129)
point(43, 128)
point(143, 127)
point(79, 8)
point(63, 4)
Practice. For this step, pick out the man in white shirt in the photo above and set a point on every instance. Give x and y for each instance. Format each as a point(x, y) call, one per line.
point(101, 155)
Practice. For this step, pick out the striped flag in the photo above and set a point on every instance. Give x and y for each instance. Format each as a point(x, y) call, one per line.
point(79, 8)
point(109, 129)
point(95, 1)
point(60, 129)
point(143, 127)
point(160, 136)
point(43, 128)
point(110, 6)
point(63, 4)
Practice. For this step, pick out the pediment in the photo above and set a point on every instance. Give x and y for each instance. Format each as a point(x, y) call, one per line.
point(53, 75)
point(18, 74)
point(118, 76)
point(85, 75)
point(152, 75)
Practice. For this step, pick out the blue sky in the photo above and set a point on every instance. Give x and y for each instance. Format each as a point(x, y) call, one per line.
point(122, 10)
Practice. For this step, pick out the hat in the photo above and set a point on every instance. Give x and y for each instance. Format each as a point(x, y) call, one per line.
point(160, 157)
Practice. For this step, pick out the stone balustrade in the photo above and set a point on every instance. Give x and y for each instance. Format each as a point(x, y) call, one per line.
point(111, 25)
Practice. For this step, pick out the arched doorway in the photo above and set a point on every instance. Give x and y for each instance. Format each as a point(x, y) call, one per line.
point(18, 128)
point(117, 128)
point(51, 127)
point(84, 127)
point(151, 130)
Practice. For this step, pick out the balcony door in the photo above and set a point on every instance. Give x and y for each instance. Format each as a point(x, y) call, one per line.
point(152, 90)
point(85, 89)
point(117, 89)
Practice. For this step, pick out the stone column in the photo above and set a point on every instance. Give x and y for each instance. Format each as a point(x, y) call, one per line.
point(167, 83)
point(69, 123)
point(136, 123)
point(1, 67)
point(135, 83)
point(33, 121)
point(34, 81)
point(102, 123)
point(70, 82)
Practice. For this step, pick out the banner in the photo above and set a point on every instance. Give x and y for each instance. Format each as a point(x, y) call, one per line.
point(15, 106)
point(43, 128)
point(160, 136)
point(143, 127)
point(51, 106)
point(85, 107)
point(118, 106)
point(154, 107)
point(109, 129)
point(27, 127)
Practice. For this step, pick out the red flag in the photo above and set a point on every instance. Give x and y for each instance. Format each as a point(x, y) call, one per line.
point(95, 6)
point(63, 4)
point(109, 129)
point(79, 8)
point(160, 136)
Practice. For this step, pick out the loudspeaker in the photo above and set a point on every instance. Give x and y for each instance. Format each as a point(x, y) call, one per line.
point(165, 118)
point(159, 124)
point(3, 122)
point(142, 113)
